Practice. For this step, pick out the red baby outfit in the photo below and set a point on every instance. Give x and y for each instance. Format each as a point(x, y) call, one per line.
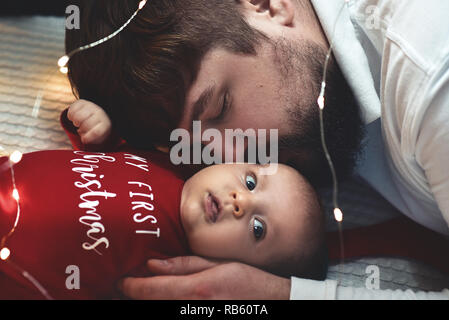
point(95, 216)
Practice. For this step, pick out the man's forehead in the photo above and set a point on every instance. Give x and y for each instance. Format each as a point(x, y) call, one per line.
point(210, 74)
point(198, 97)
point(210, 69)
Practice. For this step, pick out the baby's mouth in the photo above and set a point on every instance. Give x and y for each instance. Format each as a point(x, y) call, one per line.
point(212, 207)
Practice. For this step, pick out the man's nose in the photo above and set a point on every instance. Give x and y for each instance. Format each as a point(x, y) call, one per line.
point(241, 203)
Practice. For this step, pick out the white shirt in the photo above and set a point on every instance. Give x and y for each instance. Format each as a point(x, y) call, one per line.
point(411, 42)
point(395, 56)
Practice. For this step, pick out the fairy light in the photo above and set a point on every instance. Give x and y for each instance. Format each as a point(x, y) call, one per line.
point(320, 99)
point(15, 195)
point(62, 62)
point(338, 213)
point(15, 157)
point(141, 4)
point(5, 252)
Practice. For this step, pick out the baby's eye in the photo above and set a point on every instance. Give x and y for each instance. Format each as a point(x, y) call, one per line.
point(258, 229)
point(250, 182)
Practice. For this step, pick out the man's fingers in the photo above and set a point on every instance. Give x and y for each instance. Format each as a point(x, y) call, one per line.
point(180, 265)
point(159, 288)
point(225, 281)
point(135, 288)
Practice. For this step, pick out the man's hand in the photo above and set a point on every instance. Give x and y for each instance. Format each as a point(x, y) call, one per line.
point(94, 125)
point(197, 278)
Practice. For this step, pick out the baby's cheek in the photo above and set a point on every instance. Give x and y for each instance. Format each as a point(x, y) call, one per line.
point(205, 243)
point(190, 217)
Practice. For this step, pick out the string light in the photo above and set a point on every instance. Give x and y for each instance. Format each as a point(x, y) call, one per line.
point(5, 252)
point(62, 62)
point(16, 157)
point(338, 213)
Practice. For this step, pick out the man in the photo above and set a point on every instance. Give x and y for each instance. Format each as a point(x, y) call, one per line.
point(395, 59)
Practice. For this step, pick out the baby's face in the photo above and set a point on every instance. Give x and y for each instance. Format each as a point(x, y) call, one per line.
point(231, 211)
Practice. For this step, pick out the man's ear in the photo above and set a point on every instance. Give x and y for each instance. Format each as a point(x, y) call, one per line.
point(281, 12)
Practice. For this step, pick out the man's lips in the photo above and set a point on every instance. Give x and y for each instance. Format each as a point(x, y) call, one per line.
point(212, 207)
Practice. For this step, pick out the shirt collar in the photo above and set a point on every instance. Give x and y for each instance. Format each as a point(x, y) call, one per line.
point(350, 56)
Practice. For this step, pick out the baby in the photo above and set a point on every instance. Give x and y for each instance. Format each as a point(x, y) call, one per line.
point(231, 211)
point(274, 222)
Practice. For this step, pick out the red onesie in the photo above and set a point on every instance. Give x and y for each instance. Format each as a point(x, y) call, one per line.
point(92, 217)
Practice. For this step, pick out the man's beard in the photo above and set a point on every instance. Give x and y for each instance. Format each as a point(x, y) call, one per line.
point(302, 67)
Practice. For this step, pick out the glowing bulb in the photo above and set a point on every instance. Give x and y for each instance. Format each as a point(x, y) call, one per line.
point(338, 215)
point(15, 194)
point(15, 157)
point(142, 3)
point(321, 102)
point(64, 70)
point(63, 61)
point(4, 253)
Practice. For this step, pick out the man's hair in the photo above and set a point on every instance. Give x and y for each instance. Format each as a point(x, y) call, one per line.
point(140, 77)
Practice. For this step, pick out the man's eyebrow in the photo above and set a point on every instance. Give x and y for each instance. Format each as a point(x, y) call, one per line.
point(203, 101)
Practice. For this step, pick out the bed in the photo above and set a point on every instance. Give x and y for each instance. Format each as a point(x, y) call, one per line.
point(33, 93)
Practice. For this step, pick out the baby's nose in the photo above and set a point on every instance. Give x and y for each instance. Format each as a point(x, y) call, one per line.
point(240, 204)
